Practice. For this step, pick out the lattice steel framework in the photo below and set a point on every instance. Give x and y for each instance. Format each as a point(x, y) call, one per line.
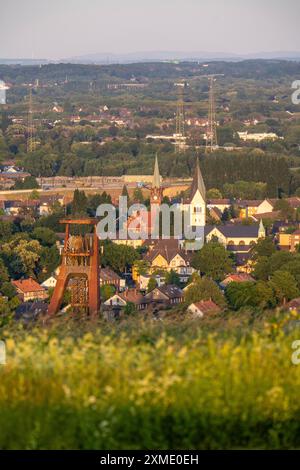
point(31, 143)
point(79, 271)
point(211, 134)
point(180, 118)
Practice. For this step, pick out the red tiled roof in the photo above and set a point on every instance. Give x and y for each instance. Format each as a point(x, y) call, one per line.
point(241, 277)
point(132, 295)
point(218, 202)
point(207, 306)
point(294, 202)
point(28, 285)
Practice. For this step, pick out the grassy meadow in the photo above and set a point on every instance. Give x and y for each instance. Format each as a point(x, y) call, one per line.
point(222, 383)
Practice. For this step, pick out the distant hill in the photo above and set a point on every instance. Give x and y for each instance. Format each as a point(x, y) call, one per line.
point(158, 56)
point(169, 56)
point(23, 61)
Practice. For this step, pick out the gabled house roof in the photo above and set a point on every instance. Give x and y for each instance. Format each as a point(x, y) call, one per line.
point(107, 274)
point(168, 253)
point(237, 277)
point(207, 306)
point(235, 230)
point(28, 285)
point(170, 291)
point(133, 296)
point(219, 202)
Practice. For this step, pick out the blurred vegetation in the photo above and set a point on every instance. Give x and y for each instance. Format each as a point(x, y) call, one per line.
point(144, 384)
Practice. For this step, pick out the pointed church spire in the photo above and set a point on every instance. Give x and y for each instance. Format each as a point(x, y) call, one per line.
point(261, 229)
point(156, 175)
point(198, 183)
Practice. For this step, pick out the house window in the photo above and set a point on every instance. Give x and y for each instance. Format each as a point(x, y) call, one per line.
point(197, 210)
point(231, 243)
point(242, 243)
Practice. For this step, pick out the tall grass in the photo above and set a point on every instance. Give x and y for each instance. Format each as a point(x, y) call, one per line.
point(139, 390)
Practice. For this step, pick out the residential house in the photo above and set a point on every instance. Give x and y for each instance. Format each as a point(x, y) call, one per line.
point(8, 178)
point(239, 240)
point(220, 204)
point(289, 241)
point(29, 289)
point(50, 283)
point(166, 255)
point(132, 296)
point(249, 208)
point(203, 308)
point(258, 136)
point(109, 277)
point(145, 278)
point(166, 294)
point(236, 277)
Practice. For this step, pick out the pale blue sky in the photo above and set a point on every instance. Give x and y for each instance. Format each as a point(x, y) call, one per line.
point(63, 28)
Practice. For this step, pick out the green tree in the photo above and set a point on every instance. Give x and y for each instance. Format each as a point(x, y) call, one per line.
point(79, 204)
point(284, 285)
point(213, 261)
point(138, 196)
point(107, 291)
point(119, 257)
point(21, 256)
point(241, 294)
point(141, 266)
point(125, 193)
point(204, 289)
point(29, 183)
point(214, 193)
point(8, 290)
point(44, 235)
point(264, 247)
point(172, 278)
point(151, 284)
point(286, 211)
point(4, 277)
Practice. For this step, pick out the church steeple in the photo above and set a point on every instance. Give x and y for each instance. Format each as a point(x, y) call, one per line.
point(156, 189)
point(198, 183)
point(156, 175)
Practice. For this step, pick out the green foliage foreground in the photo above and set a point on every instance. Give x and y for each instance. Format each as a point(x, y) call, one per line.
point(154, 386)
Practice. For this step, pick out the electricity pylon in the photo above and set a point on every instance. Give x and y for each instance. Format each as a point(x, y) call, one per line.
point(180, 118)
point(31, 144)
point(211, 134)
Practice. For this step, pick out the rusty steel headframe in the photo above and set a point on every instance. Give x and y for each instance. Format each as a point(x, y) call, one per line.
point(80, 268)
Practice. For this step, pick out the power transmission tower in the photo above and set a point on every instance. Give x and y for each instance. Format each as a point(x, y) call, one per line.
point(180, 118)
point(211, 134)
point(31, 144)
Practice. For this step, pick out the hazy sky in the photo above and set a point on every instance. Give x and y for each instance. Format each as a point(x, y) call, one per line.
point(64, 28)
